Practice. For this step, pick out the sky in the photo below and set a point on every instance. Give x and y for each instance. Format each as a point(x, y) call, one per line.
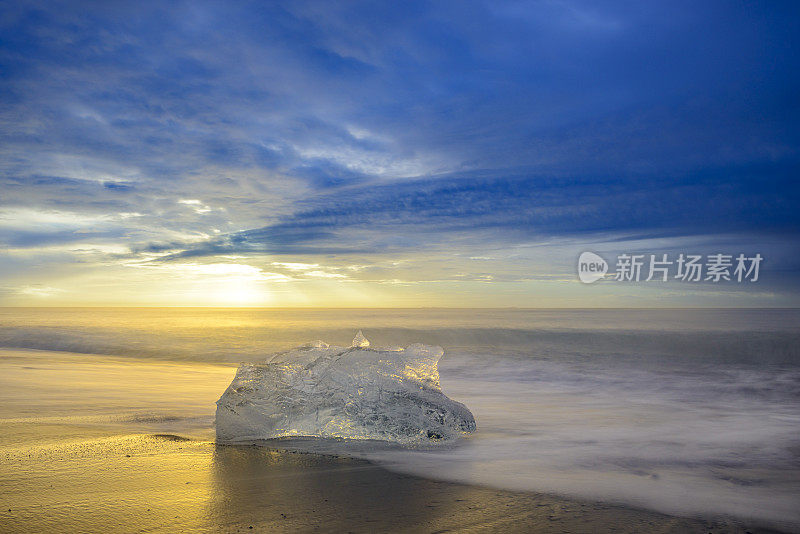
point(387, 154)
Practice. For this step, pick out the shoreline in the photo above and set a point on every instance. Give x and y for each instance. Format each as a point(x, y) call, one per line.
point(162, 482)
point(91, 443)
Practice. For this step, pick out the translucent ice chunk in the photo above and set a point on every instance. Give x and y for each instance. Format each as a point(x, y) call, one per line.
point(360, 341)
point(334, 392)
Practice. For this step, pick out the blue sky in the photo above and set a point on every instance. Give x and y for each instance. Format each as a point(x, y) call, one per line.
point(464, 153)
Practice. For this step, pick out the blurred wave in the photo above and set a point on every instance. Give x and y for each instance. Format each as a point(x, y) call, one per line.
point(232, 335)
point(682, 411)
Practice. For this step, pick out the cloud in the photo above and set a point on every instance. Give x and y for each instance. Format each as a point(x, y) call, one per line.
point(313, 130)
point(413, 214)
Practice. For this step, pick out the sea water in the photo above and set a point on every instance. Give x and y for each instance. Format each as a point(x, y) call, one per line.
point(681, 411)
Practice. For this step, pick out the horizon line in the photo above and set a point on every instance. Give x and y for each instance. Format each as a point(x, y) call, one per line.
point(412, 307)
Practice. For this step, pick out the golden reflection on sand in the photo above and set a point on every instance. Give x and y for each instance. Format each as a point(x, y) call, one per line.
point(83, 449)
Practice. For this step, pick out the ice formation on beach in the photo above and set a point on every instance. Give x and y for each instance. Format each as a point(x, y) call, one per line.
point(357, 392)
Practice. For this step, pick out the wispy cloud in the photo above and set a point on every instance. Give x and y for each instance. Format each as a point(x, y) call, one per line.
point(331, 135)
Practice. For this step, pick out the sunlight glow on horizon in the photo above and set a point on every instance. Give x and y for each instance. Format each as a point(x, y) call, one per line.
point(275, 154)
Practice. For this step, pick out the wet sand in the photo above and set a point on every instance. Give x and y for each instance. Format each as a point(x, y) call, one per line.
point(161, 483)
point(88, 444)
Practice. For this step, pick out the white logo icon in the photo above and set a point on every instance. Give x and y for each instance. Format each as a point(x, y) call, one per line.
point(591, 267)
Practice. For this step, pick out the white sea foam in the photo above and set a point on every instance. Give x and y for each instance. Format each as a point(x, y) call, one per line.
point(719, 440)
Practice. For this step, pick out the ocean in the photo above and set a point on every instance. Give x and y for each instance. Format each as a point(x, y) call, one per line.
point(688, 412)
